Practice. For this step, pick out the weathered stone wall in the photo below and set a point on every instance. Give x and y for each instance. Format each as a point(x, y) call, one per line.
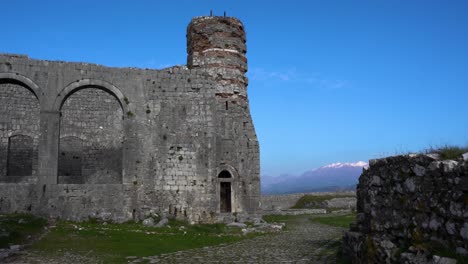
point(408, 206)
point(128, 142)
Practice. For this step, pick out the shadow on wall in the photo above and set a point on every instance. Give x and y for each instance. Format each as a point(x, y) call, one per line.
point(91, 129)
point(91, 152)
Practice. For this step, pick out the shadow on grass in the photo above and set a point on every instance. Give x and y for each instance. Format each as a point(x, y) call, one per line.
point(19, 228)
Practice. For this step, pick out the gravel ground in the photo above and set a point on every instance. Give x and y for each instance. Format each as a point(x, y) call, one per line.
point(303, 242)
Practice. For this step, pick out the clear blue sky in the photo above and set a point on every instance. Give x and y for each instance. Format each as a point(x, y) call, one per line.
point(330, 81)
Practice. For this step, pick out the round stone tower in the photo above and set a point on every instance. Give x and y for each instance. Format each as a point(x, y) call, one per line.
point(217, 44)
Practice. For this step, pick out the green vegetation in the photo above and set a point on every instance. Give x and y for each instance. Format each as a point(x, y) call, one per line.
point(316, 201)
point(334, 247)
point(112, 243)
point(441, 250)
point(448, 152)
point(335, 220)
point(17, 228)
point(280, 218)
point(130, 114)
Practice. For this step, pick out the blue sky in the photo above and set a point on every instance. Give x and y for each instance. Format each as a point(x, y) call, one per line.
point(330, 81)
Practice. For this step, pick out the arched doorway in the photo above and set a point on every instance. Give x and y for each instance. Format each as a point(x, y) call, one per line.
point(225, 192)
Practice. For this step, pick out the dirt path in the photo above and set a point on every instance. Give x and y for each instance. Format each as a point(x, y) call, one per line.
point(302, 242)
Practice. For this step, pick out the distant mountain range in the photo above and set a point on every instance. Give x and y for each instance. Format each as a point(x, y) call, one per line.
point(332, 177)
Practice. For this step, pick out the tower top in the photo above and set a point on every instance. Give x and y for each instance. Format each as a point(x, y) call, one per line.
point(217, 44)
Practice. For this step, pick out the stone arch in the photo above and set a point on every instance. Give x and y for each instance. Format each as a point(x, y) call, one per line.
point(20, 107)
point(228, 168)
point(91, 112)
point(89, 83)
point(34, 136)
point(16, 78)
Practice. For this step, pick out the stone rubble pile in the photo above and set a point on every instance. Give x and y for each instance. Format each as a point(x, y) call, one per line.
point(409, 209)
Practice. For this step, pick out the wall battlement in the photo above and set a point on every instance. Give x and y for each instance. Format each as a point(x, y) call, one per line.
point(81, 140)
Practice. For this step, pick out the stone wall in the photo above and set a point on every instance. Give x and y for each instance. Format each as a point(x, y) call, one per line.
point(133, 142)
point(409, 208)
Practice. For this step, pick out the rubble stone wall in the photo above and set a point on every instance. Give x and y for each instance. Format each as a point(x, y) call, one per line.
point(408, 207)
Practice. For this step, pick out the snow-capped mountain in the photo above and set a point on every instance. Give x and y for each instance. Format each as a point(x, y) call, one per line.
point(336, 176)
point(361, 164)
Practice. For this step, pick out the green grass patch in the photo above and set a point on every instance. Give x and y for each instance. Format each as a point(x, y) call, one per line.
point(280, 218)
point(448, 152)
point(335, 220)
point(316, 201)
point(18, 228)
point(111, 243)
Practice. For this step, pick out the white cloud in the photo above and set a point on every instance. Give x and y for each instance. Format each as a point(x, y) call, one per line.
point(293, 75)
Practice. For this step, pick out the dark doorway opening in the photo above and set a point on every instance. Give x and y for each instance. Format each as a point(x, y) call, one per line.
point(225, 197)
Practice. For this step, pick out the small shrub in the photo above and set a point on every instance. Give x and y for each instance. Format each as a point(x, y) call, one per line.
point(448, 152)
point(126, 100)
point(130, 114)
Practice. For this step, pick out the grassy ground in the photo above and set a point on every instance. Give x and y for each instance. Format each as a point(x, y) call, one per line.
point(280, 218)
point(335, 247)
point(112, 243)
point(18, 228)
point(335, 220)
point(316, 201)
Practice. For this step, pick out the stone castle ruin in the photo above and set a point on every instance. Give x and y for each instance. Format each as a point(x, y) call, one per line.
point(80, 140)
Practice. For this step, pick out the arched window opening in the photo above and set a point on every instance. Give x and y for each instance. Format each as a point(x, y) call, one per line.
point(94, 115)
point(19, 131)
point(224, 174)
